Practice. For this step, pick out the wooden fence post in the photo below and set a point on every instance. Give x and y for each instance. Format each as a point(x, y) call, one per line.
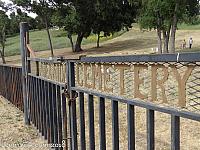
point(24, 54)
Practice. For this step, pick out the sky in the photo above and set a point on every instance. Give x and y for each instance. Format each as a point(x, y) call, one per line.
point(29, 14)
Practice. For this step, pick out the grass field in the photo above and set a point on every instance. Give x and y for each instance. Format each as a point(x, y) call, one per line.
point(39, 41)
point(133, 40)
point(184, 26)
point(129, 43)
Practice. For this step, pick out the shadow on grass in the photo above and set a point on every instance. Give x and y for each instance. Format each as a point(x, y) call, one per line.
point(132, 44)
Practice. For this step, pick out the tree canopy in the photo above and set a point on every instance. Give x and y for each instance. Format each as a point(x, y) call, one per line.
point(82, 17)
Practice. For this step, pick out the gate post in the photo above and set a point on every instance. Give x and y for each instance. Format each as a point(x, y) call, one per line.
point(24, 54)
point(72, 105)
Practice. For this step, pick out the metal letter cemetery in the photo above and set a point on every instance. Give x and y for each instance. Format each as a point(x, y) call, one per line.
point(171, 84)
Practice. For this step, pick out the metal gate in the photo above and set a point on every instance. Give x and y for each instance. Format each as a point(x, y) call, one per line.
point(57, 90)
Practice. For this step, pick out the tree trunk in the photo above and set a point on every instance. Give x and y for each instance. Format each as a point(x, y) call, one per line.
point(71, 41)
point(165, 47)
point(173, 31)
point(78, 43)
point(3, 56)
point(98, 39)
point(159, 34)
point(2, 52)
point(49, 37)
point(166, 35)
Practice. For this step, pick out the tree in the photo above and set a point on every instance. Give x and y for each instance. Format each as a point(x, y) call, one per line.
point(39, 23)
point(65, 17)
point(44, 9)
point(164, 15)
point(112, 16)
point(85, 15)
point(4, 25)
point(16, 18)
point(82, 17)
point(78, 19)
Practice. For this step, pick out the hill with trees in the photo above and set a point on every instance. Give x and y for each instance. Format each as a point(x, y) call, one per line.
point(102, 18)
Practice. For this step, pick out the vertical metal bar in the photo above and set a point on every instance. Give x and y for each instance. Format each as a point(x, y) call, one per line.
point(82, 121)
point(34, 101)
point(74, 124)
point(54, 107)
point(72, 101)
point(131, 127)
point(46, 112)
point(31, 98)
point(91, 122)
point(37, 68)
point(23, 30)
point(150, 130)
point(68, 76)
point(51, 117)
point(19, 93)
point(28, 95)
point(102, 124)
point(175, 132)
point(115, 125)
point(6, 79)
point(70, 125)
point(64, 121)
point(59, 117)
point(42, 106)
point(37, 113)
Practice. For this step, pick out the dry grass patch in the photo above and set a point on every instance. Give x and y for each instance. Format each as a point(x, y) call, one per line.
point(13, 130)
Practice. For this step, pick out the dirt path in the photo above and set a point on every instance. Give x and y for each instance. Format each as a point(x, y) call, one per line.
point(14, 134)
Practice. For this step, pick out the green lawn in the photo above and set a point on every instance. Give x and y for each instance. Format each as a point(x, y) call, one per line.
point(39, 41)
point(184, 26)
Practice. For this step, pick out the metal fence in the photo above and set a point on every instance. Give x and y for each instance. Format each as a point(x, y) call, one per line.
point(11, 84)
point(47, 109)
point(52, 69)
point(61, 95)
point(95, 77)
point(59, 110)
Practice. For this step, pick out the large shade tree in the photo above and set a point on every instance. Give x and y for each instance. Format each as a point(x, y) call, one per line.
point(82, 17)
point(112, 16)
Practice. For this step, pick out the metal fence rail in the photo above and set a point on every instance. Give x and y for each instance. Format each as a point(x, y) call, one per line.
point(11, 84)
point(53, 69)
